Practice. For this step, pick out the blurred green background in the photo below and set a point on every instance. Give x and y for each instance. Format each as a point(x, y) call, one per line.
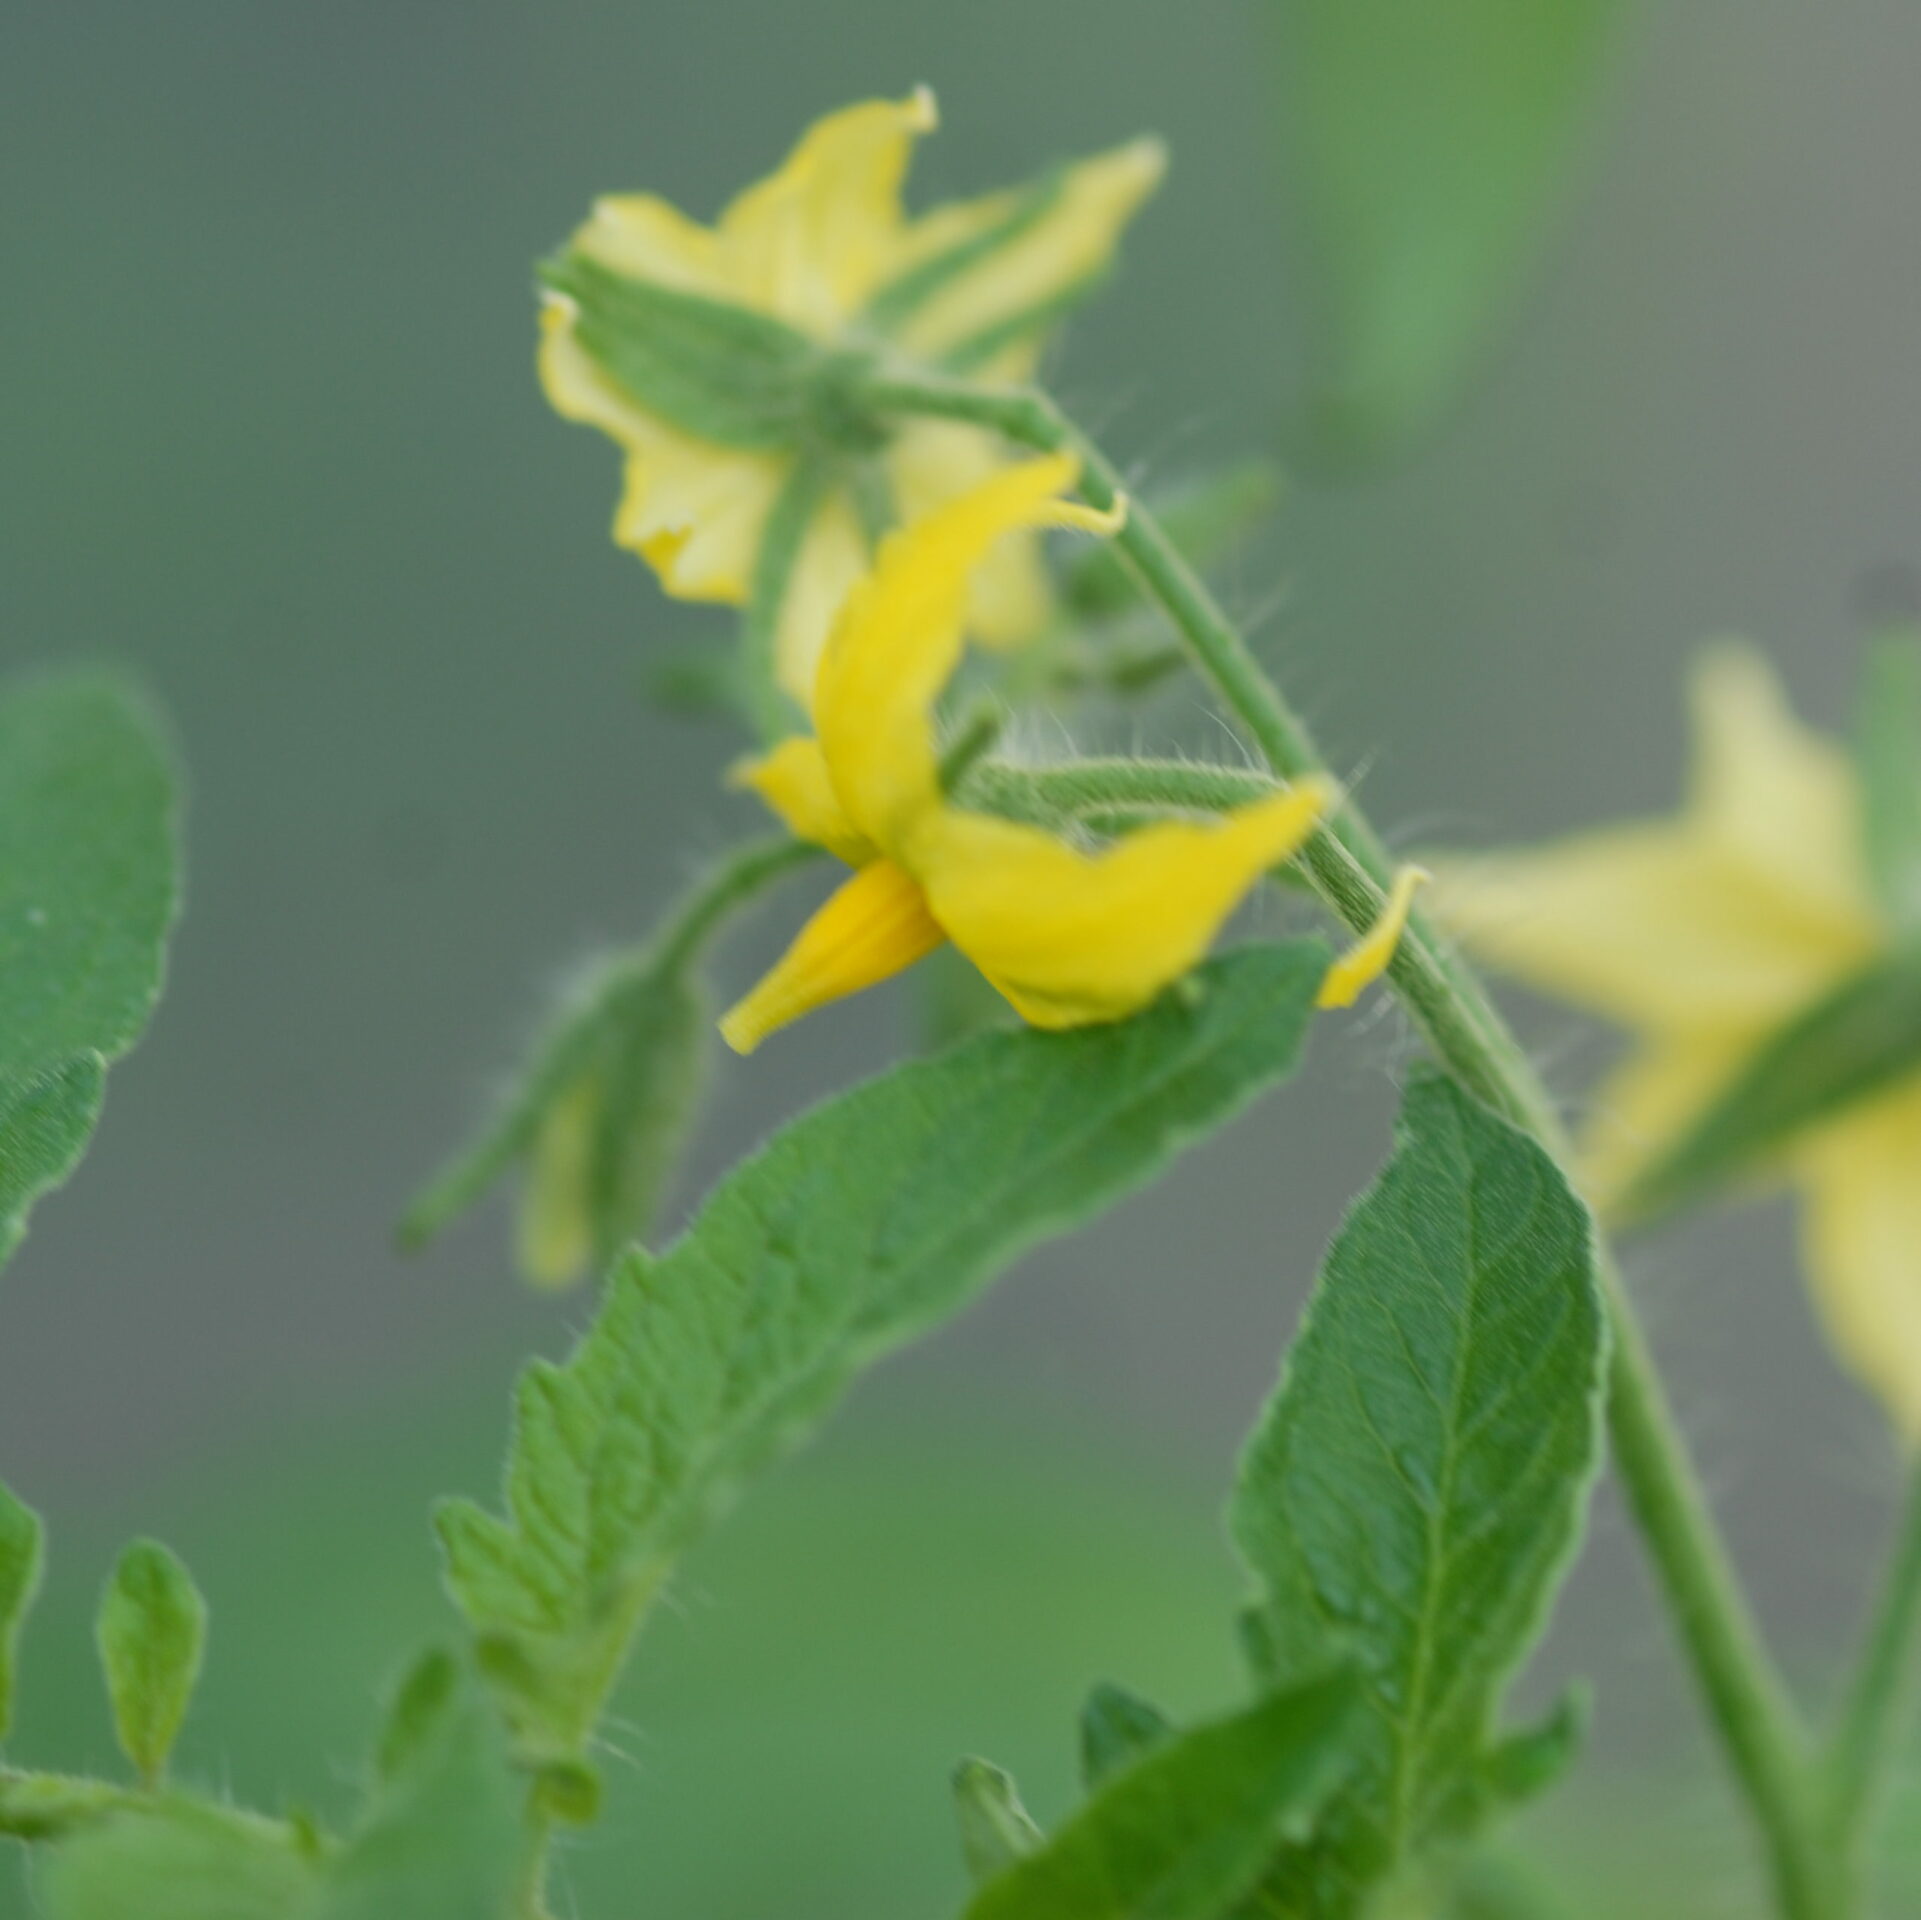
point(268, 429)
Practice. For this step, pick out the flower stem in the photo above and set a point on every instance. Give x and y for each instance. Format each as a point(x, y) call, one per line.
point(1350, 867)
point(1880, 1694)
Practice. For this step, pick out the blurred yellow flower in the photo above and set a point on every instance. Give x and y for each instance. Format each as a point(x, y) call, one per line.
point(823, 246)
point(1069, 936)
point(1706, 935)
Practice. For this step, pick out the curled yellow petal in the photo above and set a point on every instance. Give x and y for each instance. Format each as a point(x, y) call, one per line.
point(1071, 938)
point(1356, 970)
point(794, 782)
point(873, 927)
point(899, 639)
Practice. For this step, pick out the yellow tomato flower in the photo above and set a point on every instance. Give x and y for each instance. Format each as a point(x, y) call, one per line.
point(1705, 934)
point(1070, 936)
point(823, 246)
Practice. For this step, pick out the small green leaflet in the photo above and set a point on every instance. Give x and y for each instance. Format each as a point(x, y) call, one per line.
point(1425, 147)
point(1848, 1046)
point(995, 1829)
point(1888, 758)
point(152, 1633)
point(1416, 1488)
point(1185, 1833)
point(87, 895)
point(722, 373)
point(20, 1552)
point(1117, 1728)
point(857, 1227)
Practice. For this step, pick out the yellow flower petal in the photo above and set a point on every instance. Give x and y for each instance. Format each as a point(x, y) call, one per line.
point(1773, 791)
point(794, 782)
point(1650, 1101)
point(1655, 926)
point(900, 638)
point(1072, 938)
point(1356, 970)
point(833, 559)
point(810, 242)
point(1862, 1238)
point(930, 463)
point(876, 925)
point(695, 512)
point(642, 237)
point(1073, 239)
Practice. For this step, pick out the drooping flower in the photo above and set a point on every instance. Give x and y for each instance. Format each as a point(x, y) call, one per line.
point(1069, 935)
point(1710, 936)
point(711, 354)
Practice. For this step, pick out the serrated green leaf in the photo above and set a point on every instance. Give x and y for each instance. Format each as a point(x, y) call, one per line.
point(1206, 518)
point(995, 1829)
point(179, 1860)
point(1851, 1044)
point(20, 1559)
point(87, 895)
point(152, 1633)
point(1185, 1833)
point(719, 372)
point(1888, 762)
point(1117, 1728)
point(1416, 1487)
point(1425, 147)
point(855, 1228)
point(443, 1838)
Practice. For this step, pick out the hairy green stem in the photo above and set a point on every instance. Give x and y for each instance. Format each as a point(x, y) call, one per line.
point(1350, 867)
point(1880, 1694)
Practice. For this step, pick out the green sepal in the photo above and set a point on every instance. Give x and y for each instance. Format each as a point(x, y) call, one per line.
point(722, 373)
point(1418, 1484)
point(995, 1829)
point(1887, 753)
point(1117, 1728)
point(1853, 1043)
point(1206, 518)
point(152, 1634)
point(21, 1549)
point(855, 1228)
point(1185, 1832)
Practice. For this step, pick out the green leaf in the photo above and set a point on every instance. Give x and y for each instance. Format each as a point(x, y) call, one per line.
point(87, 895)
point(857, 1227)
point(1425, 148)
point(53, 1806)
point(1857, 1040)
point(443, 1839)
point(719, 372)
point(1185, 1833)
point(1207, 518)
point(1888, 759)
point(415, 1710)
point(1416, 1488)
point(20, 1561)
point(180, 1860)
point(995, 1829)
point(152, 1633)
point(1117, 1728)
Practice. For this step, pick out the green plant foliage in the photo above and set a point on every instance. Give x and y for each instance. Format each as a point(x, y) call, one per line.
point(152, 1632)
point(1185, 1833)
point(180, 1860)
point(856, 1227)
point(1852, 1043)
point(1117, 1728)
point(1425, 145)
point(717, 371)
point(1888, 756)
point(20, 1560)
point(1416, 1487)
point(87, 894)
point(995, 1829)
point(50, 1806)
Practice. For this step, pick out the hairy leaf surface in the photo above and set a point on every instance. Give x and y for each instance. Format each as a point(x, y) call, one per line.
point(1415, 1489)
point(87, 894)
point(856, 1227)
point(1184, 1833)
